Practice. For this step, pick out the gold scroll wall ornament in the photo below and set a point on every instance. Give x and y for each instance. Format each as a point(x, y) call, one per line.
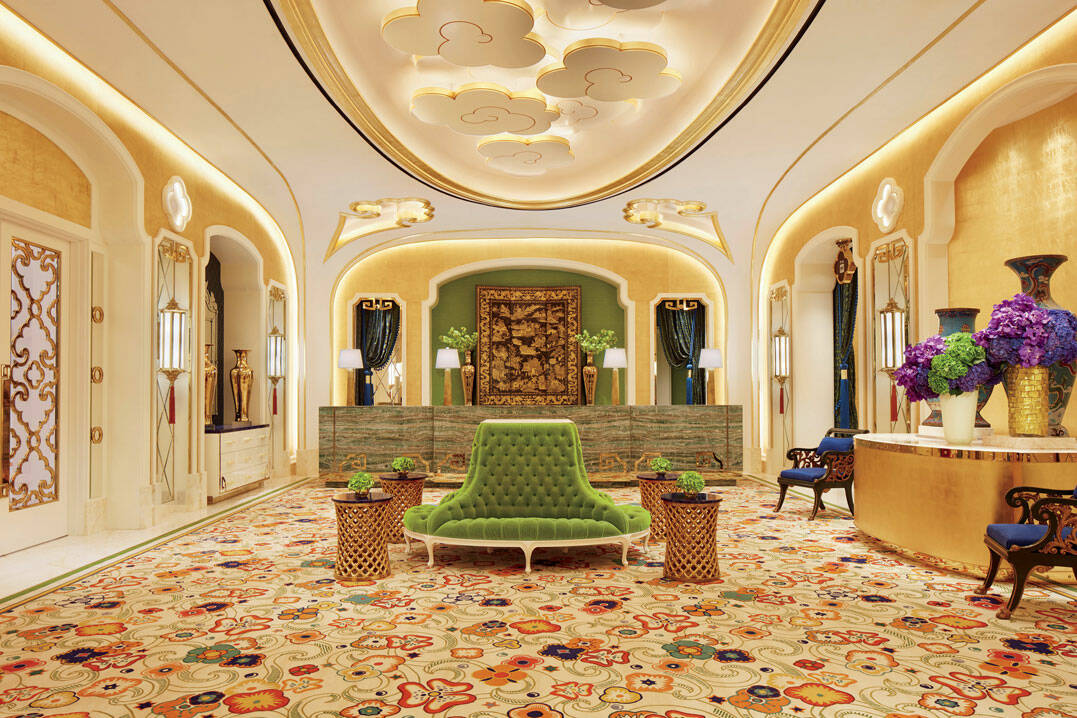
point(35, 375)
point(685, 217)
point(368, 217)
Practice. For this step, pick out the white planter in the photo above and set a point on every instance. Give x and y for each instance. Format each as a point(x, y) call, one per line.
point(959, 417)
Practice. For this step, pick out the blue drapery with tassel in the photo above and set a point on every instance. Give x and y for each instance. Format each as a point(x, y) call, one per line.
point(376, 331)
point(844, 302)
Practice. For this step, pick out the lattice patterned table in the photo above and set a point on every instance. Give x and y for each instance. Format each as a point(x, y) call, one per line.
point(691, 546)
point(651, 488)
point(405, 492)
point(362, 526)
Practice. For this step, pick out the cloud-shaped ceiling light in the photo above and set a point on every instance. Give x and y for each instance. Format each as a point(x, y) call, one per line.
point(470, 33)
point(886, 208)
point(526, 156)
point(683, 217)
point(631, 4)
point(609, 71)
point(484, 109)
point(369, 216)
point(585, 113)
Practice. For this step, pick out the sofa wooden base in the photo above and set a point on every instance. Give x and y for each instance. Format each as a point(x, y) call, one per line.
point(625, 540)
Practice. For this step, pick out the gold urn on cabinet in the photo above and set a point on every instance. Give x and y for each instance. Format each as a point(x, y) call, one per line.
point(1027, 400)
point(467, 378)
point(210, 370)
point(590, 379)
point(242, 376)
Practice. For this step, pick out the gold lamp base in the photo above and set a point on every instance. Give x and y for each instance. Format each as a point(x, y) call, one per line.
point(447, 394)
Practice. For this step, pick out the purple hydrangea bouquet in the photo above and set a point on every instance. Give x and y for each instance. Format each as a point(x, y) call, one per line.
point(945, 365)
point(1022, 334)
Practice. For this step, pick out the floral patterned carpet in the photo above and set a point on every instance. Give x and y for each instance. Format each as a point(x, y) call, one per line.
point(243, 617)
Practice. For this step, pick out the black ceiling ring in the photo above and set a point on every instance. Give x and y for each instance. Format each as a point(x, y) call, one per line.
point(729, 118)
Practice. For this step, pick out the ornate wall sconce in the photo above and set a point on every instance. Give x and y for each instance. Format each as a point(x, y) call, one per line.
point(891, 336)
point(275, 348)
point(172, 340)
point(892, 342)
point(779, 361)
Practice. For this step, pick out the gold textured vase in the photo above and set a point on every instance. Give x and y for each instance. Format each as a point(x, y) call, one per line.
point(210, 370)
point(242, 376)
point(467, 378)
point(590, 379)
point(1026, 395)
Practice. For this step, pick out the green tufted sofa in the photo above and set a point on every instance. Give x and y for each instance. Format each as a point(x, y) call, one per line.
point(526, 487)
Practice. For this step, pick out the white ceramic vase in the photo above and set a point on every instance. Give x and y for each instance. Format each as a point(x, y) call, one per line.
point(959, 417)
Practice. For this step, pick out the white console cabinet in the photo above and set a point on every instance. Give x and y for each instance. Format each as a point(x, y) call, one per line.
point(237, 458)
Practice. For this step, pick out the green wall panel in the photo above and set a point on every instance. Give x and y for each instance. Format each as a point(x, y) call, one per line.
point(599, 309)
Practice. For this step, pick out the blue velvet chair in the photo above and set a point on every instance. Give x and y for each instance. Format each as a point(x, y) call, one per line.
point(1045, 535)
point(821, 468)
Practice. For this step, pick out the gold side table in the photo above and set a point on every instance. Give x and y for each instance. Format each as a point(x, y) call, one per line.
point(651, 488)
point(691, 544)
point(405, 492)
point(362, 525)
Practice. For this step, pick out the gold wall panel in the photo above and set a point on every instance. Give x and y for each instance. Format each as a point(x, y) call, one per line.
point(35, 171)
point(941, 505)
point(1016, 195)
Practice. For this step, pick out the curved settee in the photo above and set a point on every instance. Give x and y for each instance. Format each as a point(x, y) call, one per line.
point(526, 487)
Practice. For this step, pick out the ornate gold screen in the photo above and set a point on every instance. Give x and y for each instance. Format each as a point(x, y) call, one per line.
point(35, 374)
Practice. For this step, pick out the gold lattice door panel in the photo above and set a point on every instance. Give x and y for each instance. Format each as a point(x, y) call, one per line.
point(526, 350)
point(33, 415)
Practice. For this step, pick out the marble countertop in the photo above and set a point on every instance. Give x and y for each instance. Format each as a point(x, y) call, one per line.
point(997, 447)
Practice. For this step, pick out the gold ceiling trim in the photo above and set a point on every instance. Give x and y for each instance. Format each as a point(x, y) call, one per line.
point(309, 36)
point(654, 214)
point(394, 213)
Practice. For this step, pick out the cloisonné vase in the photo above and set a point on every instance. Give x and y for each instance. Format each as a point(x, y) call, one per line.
point(467, 378)
point(241, 377)
point(958, 319)
point(590, 379)
point(1035, 274)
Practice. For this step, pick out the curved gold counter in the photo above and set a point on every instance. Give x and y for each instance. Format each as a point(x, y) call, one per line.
point(926, 496)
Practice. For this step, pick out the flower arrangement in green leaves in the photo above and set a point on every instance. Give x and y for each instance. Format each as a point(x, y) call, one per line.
point(691, 482)
point(402, 465)
point(594, 343)
point(459, 339)
point(661, 465)
point(361, 482)
point(953, 371)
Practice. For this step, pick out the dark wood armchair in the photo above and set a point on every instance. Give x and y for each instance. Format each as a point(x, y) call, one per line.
point(821, 468)
point(1045, 535)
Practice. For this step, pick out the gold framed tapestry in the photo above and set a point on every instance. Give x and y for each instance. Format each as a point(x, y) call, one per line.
point(526, 350)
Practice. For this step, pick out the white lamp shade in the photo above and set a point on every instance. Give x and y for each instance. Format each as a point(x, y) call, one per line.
point(615, 358)
point(350, 359)
point(710, 358)
point(448, 358)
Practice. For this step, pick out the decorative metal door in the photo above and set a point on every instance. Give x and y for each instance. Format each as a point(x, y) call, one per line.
point(34, 501)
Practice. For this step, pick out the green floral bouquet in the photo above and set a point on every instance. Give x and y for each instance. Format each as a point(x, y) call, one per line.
point(594, 343)
point(691, 482)
point(361, 482)
point(660, 465)
point(459, 339)
point(962, 366)
point(402, 464)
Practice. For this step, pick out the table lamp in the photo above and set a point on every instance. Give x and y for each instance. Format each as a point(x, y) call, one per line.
point(616, 359)
point(447, 359)
point(350, 359)
point(710, 359)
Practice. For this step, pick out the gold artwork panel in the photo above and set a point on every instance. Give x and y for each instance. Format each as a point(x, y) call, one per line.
point(526, 351)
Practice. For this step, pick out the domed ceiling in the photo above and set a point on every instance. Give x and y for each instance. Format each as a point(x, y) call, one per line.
point(539, 105)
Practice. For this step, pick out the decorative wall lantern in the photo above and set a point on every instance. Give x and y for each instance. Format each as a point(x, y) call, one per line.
point(892, 341)
point(779, 356)
point(275, 356)
point(171, 348)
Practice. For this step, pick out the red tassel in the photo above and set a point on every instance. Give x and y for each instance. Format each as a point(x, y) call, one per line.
point(781, 399)
point(274, 401)
point(893, 402)
point(171, 404)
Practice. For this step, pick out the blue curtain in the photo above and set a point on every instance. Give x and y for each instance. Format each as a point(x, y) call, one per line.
point(844, 300)
point(376, 332)
point(683, 334)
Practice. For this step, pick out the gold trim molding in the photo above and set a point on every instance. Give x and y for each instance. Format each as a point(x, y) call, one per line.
point(694, 221)
point(367, 217)
point(306, 31)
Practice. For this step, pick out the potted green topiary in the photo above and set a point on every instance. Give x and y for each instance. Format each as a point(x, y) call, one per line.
point(402, 465)
point(361, 483)
point(660, 466)
point(691, 484)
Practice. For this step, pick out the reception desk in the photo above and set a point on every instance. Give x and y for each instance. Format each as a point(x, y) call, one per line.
point(926, 496)
point(615, 439)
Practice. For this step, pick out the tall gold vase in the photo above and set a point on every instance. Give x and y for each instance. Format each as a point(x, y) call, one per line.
point(1026, 396)
point(209, 368)
point(242, 376)
point(590, 379)
point(467, 378)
